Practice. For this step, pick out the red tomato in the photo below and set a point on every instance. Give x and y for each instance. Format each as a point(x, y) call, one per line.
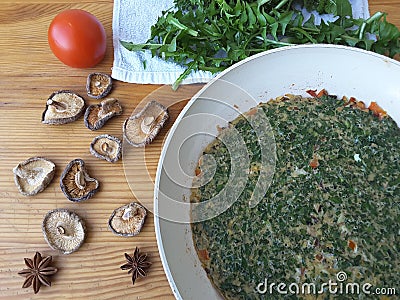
point(77, 38)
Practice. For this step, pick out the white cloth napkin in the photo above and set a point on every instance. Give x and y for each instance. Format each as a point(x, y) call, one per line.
point(132, 21)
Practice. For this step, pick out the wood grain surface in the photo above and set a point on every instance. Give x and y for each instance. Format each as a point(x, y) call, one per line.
point(29, 73)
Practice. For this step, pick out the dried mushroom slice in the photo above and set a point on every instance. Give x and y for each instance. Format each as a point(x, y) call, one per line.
point(76, 183)
point(98, 85)
point(63, 230)
point(63, 107)
point(127, 220)
point(106, 147)
point(33, 175)
point(142, 128)
point(97, 115)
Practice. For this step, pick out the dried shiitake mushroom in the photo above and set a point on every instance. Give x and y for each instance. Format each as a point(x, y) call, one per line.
point(63, 107)
point(76, 183)
point(106, 147)
point(127, 220)
point(143, 127)
point(63, 230)
point(98, 114)
point(33, 175)
point(98, 85)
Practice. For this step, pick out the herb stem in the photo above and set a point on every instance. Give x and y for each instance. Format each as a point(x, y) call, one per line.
point(177, 24)
point(362, 30)
point(185, 74)
point(272, 42)
point(281, 4)
point(305, 33)
point(375, 17)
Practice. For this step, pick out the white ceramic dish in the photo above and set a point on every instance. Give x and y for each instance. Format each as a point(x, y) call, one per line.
point(340, 70)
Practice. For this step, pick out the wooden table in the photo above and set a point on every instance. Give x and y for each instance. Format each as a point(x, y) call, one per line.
point(29, 73)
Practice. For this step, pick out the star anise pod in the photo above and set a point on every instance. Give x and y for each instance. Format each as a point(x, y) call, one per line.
point(38, 272)
point(137, 264)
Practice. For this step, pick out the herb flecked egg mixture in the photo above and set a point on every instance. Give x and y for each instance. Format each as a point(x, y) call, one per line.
point(333, 205)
